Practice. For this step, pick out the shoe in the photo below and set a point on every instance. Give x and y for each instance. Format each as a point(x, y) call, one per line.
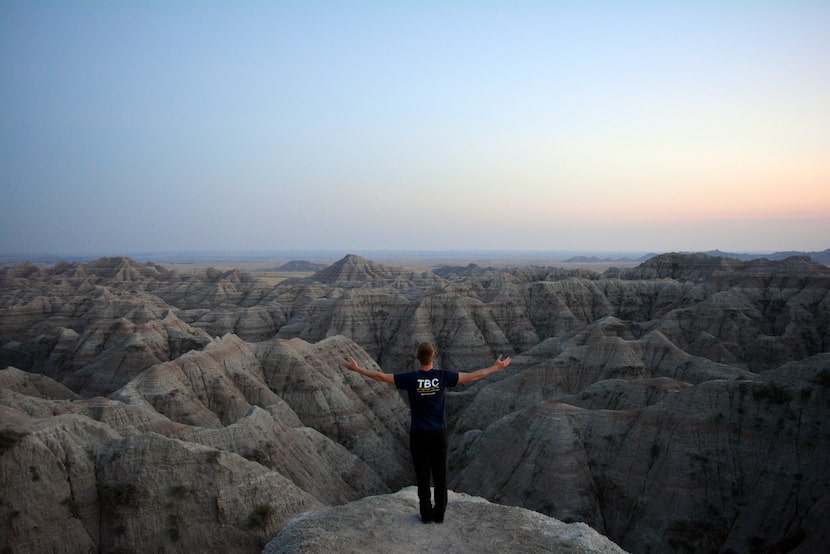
point(438, 519)
point(426, 519)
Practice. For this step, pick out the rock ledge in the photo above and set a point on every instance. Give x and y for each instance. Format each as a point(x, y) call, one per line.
point(389, 523)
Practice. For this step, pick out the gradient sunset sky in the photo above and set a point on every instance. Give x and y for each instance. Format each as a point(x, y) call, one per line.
point(569, 126)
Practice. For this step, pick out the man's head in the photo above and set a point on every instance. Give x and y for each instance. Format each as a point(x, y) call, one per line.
point(426, 353)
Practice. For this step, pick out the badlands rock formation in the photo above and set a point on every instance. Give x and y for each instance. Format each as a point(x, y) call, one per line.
point(679, 406)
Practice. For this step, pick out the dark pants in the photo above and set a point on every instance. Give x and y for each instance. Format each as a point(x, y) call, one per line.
point(429, 454)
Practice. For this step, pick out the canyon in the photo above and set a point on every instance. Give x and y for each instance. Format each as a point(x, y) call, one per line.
point(676, 406)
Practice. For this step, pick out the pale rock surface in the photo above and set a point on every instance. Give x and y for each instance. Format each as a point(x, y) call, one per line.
point(390, 524)
point(605, 350)
point(144, 468)
point(365, 416)
point(93, 338)
point(312, 461)
point(162, 492)
point(49, 485)
point(33, 385)
point(73, 484)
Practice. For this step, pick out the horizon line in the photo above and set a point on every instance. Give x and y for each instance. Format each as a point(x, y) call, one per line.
point(183, 255)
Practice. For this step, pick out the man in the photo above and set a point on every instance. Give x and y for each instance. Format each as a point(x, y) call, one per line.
point(428, 428)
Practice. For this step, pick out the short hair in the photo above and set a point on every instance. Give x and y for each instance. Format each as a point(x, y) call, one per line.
point(426, 353)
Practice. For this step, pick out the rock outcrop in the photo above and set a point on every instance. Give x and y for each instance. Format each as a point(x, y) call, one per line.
point(737, 464)
point(71, 483)
point(390, 524)
point(199, 442)
point(354, 270)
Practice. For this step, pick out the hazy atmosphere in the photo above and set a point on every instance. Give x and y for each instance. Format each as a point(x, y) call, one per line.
point(635, 126)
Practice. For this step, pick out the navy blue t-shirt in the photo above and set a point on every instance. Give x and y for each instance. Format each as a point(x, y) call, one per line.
point(426, 396)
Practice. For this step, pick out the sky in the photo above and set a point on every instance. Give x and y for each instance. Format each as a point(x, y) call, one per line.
point(161, 126)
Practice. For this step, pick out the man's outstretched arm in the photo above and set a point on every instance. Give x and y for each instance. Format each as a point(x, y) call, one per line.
point(376, 375)
point(482, 373)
